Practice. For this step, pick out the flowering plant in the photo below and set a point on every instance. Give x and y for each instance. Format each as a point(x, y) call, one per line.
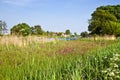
point(112, 72)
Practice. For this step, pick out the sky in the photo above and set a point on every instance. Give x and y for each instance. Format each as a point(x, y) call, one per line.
point(52, 15)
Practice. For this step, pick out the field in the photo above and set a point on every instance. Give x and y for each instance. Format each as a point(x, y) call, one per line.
point(28, 59)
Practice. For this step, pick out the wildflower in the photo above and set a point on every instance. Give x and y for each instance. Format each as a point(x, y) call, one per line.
point(105, 57)
point(116, 55)
point(111, 74)
point(111, 59)
point(116, 66)
point(108, 69)
point(117, 72)
point(95, 59)
point(118, 77)
point(116, 59)
point(113, 69)
point(104, 71)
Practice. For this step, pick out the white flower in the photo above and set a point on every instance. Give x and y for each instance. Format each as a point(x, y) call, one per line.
point(116, 66)
point(104, 71)
point(116, 59)
point(116, 55)
point(111, 74)
point(117, 72)
point(113, 69)
point(105, 57)
point(118, 77)
point(111, 59)
point(108, 69)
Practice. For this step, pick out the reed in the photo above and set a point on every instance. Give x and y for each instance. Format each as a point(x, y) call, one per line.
point(63, 60)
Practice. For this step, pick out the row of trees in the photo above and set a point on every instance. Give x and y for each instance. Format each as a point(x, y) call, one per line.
point(24, 29)
point(105, 21)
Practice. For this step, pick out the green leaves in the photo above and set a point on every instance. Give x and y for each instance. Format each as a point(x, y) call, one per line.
point(37, 30)
point(105, 20)
point(68, 32)
point(21, 29)
point(84, 34)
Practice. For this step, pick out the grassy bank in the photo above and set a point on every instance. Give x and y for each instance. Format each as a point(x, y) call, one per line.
point(60, 60)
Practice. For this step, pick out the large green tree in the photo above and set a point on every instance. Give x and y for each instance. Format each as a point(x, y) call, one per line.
point(105, 20)
point(3, 27)
point(21, 29)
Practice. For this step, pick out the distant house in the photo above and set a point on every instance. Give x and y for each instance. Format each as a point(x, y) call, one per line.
point(62, 34)
point(55, 33)
point(65, 35)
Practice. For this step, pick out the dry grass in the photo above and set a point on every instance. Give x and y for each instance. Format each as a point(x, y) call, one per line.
point(53, 61)
point(106, 37)
point(22, 41)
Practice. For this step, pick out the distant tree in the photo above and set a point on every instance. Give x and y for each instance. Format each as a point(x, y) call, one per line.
point(75, 34)
point(48, 33)
point(105, 20)
point(37, 30)
point(84, 34)
point(68, 32)
point(59, 34)
point(21, 29)
point(32, 30)
point(3, 27)
point(51, 34)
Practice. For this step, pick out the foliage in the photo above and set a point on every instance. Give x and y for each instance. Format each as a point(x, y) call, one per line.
point(37, 30)
point(3, 27)
point(50, 34)
point(105, 20)
point(84, 34)
point(75, 34)
point(21, 29)
point(60, 34)
point(68, 32)
point(68, 60)
point(112, 72)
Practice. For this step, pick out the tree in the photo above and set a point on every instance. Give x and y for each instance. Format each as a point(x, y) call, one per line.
point(68, 32)
point(32, 30)
point(37, 30)
point(3, 27)
point(21, 29)
point(75, 34)
point(59, 34)
point(105, 20)
point(84, 34)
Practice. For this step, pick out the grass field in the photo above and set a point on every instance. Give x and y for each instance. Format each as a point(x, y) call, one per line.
point(26, 59)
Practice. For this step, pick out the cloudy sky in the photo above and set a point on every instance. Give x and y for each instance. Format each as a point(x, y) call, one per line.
point(52, 15)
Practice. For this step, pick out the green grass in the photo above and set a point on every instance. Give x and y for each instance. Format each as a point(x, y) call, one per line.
point(64, 60)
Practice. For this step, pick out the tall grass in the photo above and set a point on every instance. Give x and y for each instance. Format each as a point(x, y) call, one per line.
point(64, 60)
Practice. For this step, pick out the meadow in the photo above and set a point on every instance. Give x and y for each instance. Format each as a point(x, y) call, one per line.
point(25, 58)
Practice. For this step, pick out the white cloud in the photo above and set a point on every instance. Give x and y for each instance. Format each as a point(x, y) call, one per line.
point(18, 2)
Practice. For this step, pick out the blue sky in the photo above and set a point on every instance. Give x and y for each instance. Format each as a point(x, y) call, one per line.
point(52, 15)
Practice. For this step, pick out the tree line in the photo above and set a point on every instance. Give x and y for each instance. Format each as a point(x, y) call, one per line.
point(24, 30)
point(105, 21)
